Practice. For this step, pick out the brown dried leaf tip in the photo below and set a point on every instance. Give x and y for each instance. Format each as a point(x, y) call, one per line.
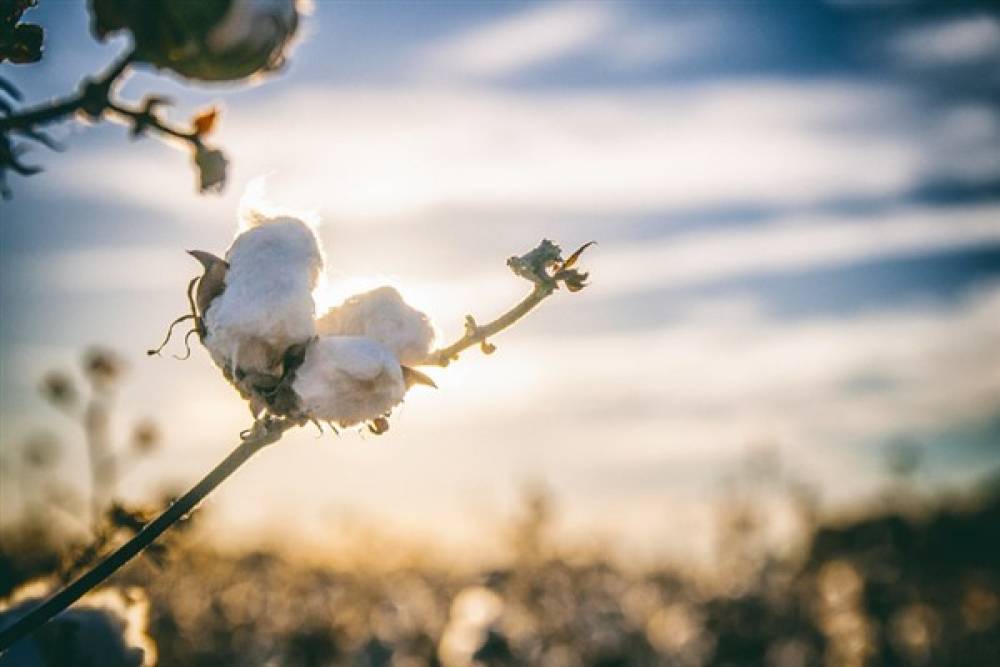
point(204, 122)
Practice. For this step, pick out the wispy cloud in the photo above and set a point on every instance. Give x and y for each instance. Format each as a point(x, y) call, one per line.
point(612, 33)
point(104, 269)
point(388, 155)
point(957, 41)
point(527, 38)
point(794, 244)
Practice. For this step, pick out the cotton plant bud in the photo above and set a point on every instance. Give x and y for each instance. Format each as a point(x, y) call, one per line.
point(382, 315)
point(265, 306)
point(207, 40)
point(348, 380)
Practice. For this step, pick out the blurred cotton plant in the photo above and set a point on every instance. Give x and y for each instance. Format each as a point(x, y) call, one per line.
point(254, 312)
point(47, 499)
point(92, 407)
point(108, 628)
point(205, 41)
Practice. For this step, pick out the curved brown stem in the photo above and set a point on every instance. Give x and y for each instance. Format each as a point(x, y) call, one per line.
point(546, 269)
point(95, 100)
point(478, 335)
point(89, 98)
point(265, 434)
point(145, 118)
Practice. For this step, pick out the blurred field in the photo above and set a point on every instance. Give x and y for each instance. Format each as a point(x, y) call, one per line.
point(908, 580)
point(882, 590)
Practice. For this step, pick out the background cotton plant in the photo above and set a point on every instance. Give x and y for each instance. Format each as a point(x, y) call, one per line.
point(108, 628)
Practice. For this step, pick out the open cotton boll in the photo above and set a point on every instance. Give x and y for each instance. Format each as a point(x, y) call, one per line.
point(267, 303)
point(383, 315)
point(348, 380)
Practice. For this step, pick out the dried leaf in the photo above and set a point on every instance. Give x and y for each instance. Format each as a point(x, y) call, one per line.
point(204, 122)
point(413, 377)
point(379, 425)
point(572, 259)
point(572, 279)
point(211, 165)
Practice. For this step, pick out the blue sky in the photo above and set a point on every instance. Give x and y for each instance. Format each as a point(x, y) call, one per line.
point(797, 213)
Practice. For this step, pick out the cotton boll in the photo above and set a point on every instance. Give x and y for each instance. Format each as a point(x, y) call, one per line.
point(348, 380)
point(382, 314)
point(208, 40)
point(266, 305)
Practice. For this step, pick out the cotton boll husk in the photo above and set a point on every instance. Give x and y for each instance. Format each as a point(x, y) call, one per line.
point(253, 24)
point(267, 303)
point(207, 40)
point(348, 380)
point(382, 314)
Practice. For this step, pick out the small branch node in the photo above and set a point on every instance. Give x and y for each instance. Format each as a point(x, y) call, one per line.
point(545, 268)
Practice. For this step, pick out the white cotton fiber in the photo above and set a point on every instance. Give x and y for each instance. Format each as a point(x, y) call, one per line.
point(348, 380)
point(382, 314)
point(267, 303)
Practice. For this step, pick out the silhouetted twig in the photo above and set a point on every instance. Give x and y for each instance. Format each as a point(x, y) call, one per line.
point(95, 100)
point(543, 266)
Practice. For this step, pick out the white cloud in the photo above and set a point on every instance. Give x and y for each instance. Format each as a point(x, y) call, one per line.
point(406, 155)
point(104, 269)
point(660, 42)
point(541, 35)
point(792, 244)
point(527, 38)
point(973, 39)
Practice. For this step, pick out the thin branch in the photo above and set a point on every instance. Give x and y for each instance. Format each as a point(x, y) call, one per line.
point(91, 98)
point(546, 269)
point(265, 434)
point(478, 335)
point(146, 118)
point(103, 475)
point(95, 100)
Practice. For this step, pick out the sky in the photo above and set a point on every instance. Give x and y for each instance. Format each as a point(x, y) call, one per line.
point(797, 210)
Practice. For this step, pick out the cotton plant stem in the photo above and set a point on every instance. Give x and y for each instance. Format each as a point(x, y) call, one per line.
point(96, 100)
point(57, 109)
point(58, 602)
point(476, 334)
point(148, 120)
point(99, 455)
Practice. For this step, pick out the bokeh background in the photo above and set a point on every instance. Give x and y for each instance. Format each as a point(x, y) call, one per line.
point(794, 305)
